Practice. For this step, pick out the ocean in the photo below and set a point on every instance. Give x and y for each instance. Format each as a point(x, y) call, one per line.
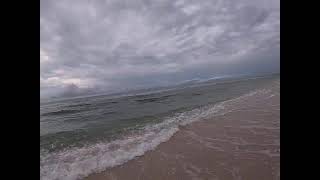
point(80, 136)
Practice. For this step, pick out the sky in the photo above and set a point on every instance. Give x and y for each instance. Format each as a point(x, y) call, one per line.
point(94, 46)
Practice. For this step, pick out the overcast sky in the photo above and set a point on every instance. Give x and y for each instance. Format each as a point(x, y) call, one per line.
point(89, 46)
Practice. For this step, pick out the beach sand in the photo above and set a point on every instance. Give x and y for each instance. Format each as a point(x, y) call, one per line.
point(243, 142)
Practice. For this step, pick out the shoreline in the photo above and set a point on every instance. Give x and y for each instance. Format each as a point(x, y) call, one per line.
point(241, 143)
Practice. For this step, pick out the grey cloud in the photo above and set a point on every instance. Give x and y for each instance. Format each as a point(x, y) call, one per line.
point(117, 44)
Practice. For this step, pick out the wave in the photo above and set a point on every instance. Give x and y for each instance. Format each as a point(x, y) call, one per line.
point(75, 163)
point(79, 105)
point(61, 112)
point(146, 99)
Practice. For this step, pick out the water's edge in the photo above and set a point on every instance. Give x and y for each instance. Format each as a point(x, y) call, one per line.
point(80, 162)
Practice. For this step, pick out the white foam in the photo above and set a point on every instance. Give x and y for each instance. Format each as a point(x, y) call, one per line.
point(79, 162)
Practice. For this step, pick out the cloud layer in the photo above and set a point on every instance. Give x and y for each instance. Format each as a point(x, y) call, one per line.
point(89, 46)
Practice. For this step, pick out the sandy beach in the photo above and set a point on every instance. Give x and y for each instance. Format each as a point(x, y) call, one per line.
point(241, 142)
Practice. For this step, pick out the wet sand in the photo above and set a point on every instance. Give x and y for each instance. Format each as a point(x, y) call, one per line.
point(241, 142)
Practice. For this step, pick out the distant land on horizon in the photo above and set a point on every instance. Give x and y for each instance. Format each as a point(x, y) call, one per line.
point(147, 90)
